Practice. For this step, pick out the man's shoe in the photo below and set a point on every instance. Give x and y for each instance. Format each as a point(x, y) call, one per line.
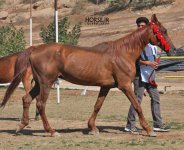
point(133, 130)
point(162, 128)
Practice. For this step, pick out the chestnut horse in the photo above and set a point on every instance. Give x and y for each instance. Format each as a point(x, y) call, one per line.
point(108, 65)
point(7, 70)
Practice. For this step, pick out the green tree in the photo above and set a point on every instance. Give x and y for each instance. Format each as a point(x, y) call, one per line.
point(48, 35)
point(11, 40)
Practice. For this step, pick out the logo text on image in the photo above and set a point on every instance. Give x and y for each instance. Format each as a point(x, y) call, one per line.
point(94, 20)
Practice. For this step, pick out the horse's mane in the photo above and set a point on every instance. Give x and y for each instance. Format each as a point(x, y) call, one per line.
point(132, 41)
point(99, 48)
point(125, 43)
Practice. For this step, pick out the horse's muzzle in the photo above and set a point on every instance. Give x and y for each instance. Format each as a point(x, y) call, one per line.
point(171, 52)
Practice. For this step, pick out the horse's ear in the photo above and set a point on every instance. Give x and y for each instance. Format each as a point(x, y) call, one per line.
point(154, 19)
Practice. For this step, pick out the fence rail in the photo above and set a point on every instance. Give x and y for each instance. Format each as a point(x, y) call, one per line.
point(56, 85)
point(4, 84)
point(172, 63)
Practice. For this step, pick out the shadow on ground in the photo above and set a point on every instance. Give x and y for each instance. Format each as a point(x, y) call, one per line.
point(85, 131)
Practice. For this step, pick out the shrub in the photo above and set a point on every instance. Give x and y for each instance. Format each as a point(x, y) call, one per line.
point(64, 35)
point(117, 5)
point(11, 40)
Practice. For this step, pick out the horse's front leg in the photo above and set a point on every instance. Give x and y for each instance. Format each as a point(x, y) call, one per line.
point(132, 98)
point(101, 97)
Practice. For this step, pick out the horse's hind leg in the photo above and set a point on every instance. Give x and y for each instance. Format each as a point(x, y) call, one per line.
point(26, 104)
point(41, 104)
point(131, 96)
point(27, 82)
point(101, 97)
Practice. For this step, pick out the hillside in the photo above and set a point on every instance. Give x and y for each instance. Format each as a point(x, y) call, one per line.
point(120, 23)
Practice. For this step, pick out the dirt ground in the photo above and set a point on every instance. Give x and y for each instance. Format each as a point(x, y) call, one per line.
point(120, 23)
point(70, 118)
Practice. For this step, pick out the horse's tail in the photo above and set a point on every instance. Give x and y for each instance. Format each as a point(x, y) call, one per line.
point(21, 65)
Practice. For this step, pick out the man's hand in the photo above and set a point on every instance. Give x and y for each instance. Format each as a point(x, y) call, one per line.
point(153, 64)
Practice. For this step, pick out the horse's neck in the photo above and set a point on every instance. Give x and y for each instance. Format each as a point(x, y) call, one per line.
point(136, 42)
point(143, 40)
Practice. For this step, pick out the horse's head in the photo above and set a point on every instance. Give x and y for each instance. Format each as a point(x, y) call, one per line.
point(160, 36)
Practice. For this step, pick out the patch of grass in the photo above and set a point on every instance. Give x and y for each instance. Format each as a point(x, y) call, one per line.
point(163, 143)
point(140, 142)
point(173, 125)
point(177, 126)
point(68, 142)
point(113, 117)
point(89, 142)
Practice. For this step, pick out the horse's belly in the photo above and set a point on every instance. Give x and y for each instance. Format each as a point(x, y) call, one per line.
point(89, 80)
point(92, 70)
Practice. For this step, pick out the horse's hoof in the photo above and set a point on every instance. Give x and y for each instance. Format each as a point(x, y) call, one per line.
point(94, 132)
point(55, 134)
point(152, 134)
point(18, 129)
point(18, 133)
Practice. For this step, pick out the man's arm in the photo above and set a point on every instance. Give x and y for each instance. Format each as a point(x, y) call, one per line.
point(153, 64)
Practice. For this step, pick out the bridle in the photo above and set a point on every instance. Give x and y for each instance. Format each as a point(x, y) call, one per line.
point(160, 37)
point(163, 43)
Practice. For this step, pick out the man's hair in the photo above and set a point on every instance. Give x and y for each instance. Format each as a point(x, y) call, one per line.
point(142, 19)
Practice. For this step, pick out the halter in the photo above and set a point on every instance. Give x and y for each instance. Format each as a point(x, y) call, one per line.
point(160, 37)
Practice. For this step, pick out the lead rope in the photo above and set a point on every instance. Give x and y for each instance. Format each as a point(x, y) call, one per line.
point(152, 82)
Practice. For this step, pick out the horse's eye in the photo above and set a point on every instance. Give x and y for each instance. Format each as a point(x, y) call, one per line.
point(165, 31)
